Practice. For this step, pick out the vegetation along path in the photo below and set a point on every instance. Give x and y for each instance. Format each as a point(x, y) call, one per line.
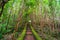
point(29, 35)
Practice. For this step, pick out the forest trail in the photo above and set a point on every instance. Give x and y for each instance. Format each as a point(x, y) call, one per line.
point(29, 35)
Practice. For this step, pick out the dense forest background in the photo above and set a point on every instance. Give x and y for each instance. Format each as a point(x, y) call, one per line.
point(42, 15)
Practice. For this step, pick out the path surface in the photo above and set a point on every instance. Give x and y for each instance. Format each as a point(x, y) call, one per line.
point(29, 35)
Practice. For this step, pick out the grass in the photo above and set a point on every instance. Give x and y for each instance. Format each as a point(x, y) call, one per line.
point(21, 37)
point(35, 34)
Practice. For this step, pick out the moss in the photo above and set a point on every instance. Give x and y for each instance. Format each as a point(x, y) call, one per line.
point(35, 34)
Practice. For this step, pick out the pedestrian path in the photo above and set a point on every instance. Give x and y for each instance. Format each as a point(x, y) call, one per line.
point(29, 35)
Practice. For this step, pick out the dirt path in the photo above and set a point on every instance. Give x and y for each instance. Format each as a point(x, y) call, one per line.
point(29, 35)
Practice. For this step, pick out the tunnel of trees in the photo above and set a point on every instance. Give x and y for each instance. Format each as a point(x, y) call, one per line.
point(41, 16)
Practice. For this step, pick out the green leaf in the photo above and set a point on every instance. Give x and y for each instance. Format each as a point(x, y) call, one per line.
point(1, 35)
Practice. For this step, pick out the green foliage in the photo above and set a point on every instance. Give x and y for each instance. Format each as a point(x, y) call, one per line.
point(1, 35)
point(46, 9)
point(20, 29)
point(7, 23)
point(30, 3)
